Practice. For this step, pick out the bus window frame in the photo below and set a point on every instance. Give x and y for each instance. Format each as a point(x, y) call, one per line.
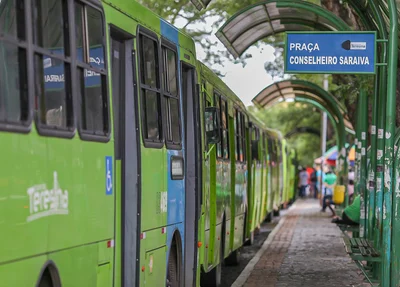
point(24, 43)
point(35, 50)
point(88, 135)
point(147, 143)
point(245, 126)
point(219, 96)
point(228, 154)
point(240, 134)
point(166, 44)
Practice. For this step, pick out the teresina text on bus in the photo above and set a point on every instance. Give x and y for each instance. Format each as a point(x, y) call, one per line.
point(44, 202)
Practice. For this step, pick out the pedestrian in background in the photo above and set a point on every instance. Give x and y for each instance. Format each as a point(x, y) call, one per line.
point(329, 184)
point(314, 181)
point(350, 186)
point(303, 182)
point(320, 178)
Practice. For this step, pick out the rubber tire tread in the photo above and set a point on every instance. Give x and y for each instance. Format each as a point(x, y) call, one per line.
point(234, 258)
point(172, 272)
point(46, 279)
point(214, 277)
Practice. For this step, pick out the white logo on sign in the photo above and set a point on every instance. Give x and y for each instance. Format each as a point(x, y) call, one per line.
point(358, 45)
point(44, 202)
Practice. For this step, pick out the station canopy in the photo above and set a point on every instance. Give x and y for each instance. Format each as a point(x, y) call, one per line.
point(269, 18)
point(200, 4)
point(289, 90)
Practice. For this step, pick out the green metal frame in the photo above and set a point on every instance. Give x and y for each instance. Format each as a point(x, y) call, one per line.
point(330, 104)
point(390, 117)
point(338, 23)
point(381, 16)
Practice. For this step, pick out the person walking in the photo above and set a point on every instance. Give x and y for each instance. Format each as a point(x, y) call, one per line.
point(320, 179)
point(313, 180)
point(350, 186)
point(303, 182)
point(329, 183)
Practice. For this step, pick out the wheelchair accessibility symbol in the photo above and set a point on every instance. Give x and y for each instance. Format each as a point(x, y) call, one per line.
point(109, 181)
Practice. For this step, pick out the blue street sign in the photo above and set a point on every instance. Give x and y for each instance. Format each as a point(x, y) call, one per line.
point(330, 52)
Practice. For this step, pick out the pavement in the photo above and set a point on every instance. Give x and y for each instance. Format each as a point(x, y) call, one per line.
point(304, 249)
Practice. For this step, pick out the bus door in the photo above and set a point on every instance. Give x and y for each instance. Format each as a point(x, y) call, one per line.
point(193, 168)
point(127, 156)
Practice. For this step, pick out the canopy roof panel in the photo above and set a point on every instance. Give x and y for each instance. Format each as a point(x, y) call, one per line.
point(200, 4)
point(272, 17)
point(289, 90)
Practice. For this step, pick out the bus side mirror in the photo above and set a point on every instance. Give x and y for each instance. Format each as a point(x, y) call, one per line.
point(254, 150)
point(211, 116)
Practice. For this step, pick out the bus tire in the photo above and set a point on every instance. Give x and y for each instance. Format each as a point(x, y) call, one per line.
point(250, 240)
point(269, 217)
point(173, 271)
point(276, 212)
point(46, 280)
point(213, 277)
point(233, 258)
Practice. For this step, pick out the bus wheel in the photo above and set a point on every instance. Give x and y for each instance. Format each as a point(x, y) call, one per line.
point(269, 217)
point(213, 278)
point(250, 240)
point(46, 279)
point(276, 212)
point(172, 273)
point(233, 258)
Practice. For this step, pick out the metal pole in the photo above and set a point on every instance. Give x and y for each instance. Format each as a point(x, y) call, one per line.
point(380, 88)
point(363, 110)
point(396, 220)
point(357, 142)
point(324, 133)
point(389, 143)
point(377, 141)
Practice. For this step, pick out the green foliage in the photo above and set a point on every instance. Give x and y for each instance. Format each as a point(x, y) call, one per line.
point(184, 15)
point(286, 117)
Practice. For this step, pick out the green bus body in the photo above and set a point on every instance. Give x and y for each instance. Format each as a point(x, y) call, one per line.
point(110, 186)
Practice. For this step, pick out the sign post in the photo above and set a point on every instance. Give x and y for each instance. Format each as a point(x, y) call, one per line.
point(330, 52)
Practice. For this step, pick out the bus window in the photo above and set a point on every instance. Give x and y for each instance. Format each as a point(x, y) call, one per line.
point(172, 113)
point(150, 89)
point(91, 73)
point(243, 135)
point(207, 103)
point(52, 69)
point(239, 137)
point(225, 128)
point(236, 132)
point(217, 100)
point(14, 105)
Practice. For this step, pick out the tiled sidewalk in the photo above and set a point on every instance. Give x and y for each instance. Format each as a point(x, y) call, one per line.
point(306, 250)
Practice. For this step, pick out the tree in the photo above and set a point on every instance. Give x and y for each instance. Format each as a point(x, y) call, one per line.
point(185, 16)
point(287, 116)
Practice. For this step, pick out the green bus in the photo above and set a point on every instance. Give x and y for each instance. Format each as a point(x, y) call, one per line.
point(131, 163)
point(242, 174)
